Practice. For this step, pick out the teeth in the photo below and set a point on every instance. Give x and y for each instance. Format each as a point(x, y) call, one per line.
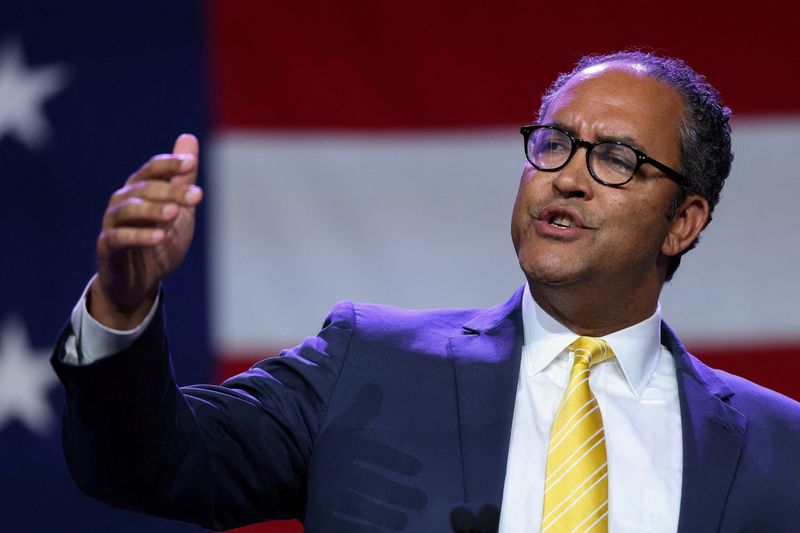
point(562, 221)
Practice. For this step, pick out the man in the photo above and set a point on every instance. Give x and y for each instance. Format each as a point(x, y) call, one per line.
point(421, 420)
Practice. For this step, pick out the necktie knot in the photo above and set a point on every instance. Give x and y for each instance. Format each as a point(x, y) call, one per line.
point(590, 351)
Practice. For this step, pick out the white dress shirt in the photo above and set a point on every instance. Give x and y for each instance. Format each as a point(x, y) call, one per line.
point(638, 397)
point(96, 340)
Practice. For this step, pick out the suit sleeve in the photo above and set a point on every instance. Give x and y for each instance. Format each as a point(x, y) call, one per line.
point(218, 456)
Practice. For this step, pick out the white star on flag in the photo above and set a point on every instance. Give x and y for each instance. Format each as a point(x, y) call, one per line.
point(26, 377)
point(23, 91)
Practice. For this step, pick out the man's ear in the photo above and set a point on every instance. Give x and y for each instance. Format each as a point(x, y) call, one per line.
point(689, 220)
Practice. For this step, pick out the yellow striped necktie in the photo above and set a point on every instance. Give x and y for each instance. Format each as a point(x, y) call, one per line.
point(576, 483)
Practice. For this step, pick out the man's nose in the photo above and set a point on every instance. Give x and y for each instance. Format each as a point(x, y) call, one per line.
point(575, 180)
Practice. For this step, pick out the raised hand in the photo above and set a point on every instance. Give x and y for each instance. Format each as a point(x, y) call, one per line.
point(147, 230)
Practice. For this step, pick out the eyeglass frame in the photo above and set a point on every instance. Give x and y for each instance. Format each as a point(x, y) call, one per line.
point(641, 157)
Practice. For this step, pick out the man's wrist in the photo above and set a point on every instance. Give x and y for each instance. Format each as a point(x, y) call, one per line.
point(93, 340)
point(113, 316)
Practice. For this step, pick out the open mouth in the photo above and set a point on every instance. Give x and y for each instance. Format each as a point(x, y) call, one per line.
point(561, 221)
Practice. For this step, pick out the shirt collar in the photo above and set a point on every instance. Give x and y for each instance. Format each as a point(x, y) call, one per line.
point(637, 347)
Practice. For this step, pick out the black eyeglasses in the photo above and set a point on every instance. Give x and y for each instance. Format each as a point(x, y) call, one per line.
point(611, 163)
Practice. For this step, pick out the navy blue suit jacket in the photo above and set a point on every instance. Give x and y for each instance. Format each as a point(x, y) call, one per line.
point(387, 420)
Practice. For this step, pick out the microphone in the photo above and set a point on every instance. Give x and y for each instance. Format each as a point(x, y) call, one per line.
point(463, 520)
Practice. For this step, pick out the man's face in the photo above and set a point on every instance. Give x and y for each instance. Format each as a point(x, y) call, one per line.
point(616, 234)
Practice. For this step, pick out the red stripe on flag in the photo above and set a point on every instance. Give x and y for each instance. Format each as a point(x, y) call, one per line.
point(452, 64)
point(774, 367)
point(278, 526)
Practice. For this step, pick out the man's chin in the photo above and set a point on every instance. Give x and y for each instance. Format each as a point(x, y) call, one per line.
point(549, 273)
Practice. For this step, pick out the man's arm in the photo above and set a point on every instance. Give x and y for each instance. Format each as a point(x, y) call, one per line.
point(219, 456)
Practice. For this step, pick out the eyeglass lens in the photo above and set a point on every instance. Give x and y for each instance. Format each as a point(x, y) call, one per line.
point(550, 149)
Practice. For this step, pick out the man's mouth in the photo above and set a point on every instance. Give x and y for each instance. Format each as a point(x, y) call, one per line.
point(561, 221)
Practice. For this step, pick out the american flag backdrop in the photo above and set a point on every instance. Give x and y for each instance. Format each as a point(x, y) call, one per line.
point(357, 149)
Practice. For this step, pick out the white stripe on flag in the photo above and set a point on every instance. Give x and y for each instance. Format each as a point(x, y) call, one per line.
point(299, 221)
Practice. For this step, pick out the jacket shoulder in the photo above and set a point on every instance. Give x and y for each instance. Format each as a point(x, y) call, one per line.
point(386, 318)
point(416, 330)
point(763, 407)
point(758, 401)
point(419, 330)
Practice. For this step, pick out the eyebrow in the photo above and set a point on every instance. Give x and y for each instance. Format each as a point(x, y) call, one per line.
point(604, 138)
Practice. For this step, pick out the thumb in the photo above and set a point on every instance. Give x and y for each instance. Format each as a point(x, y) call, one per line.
point(186, 144)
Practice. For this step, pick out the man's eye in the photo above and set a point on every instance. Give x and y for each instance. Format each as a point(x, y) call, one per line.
point(620, 163)
point(554, 145)
point(618, 159)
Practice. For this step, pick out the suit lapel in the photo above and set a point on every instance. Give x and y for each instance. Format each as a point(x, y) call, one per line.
point(486, 359)
point(713, 436)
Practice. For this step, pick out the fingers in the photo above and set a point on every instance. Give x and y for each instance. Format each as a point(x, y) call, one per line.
point(186, 144)
point(153, 197)
point(159, 191)
point(137, 212)
point(122, 238)
point(164, 167)
point(149, 203)
point(179, 166)
point(187, 148)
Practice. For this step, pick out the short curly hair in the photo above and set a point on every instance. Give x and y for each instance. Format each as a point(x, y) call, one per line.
point(704, 135)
